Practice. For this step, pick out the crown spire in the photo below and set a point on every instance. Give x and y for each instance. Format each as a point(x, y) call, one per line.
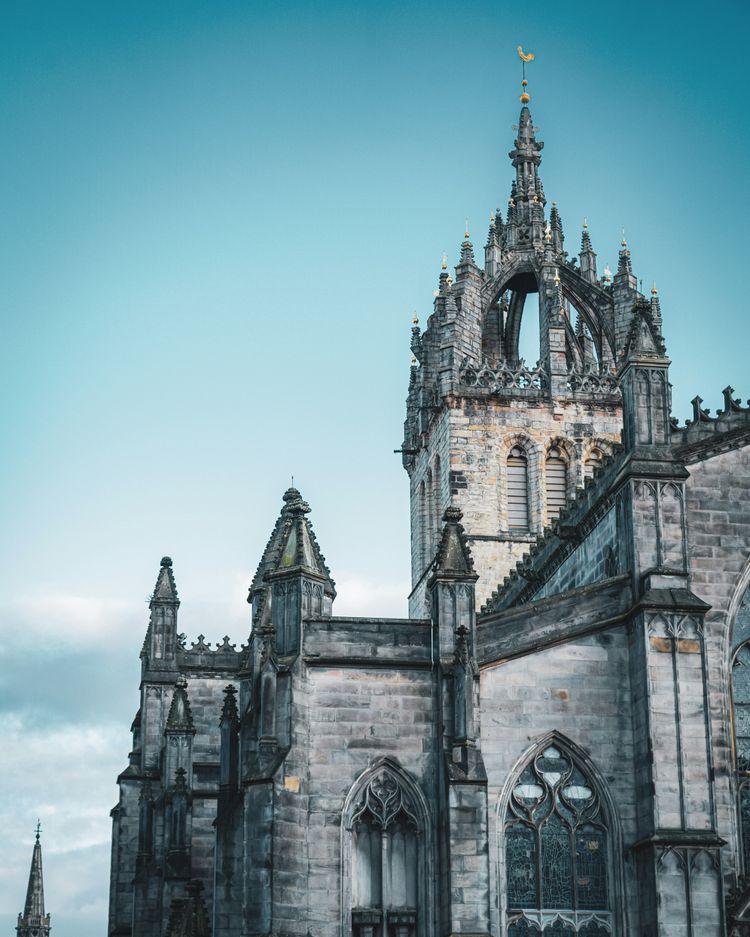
point(34, 921)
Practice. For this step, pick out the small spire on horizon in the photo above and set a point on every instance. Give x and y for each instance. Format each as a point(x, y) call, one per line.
point(38, 828)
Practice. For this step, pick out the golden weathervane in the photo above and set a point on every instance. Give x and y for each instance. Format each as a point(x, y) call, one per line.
point(525, 57)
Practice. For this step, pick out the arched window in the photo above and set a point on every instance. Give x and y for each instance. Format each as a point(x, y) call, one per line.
point(387, 889)
point(556, 852)
point(438, 494)
point(429, 517)
point(741, 720)
point(422, 522)
point(518, 489)
point(556, 479)
point(594, 460)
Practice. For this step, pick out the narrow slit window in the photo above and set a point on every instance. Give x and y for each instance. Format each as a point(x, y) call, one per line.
point(518, 490)
point(557, 483)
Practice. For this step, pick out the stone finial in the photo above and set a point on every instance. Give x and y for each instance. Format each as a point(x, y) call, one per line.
point(453, 554)
point(165, 590)
point(229, 711)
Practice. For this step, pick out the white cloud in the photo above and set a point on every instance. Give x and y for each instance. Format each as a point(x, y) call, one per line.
point(65, 776)
point(71, 620)
point(360, 596)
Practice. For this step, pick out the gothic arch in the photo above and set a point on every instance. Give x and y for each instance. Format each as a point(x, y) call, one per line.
point(534, 465)
point(388, 792)
point(570, 457)
point(736, 642)
point(611, 921)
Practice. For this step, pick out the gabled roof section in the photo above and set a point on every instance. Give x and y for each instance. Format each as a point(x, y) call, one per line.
point(644, 336)
point(165, 590)
point(292, 545)
point(453, 557)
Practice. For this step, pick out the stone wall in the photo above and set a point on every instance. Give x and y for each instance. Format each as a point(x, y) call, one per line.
point(472, 439)
point(718, 520)
point(580, 693)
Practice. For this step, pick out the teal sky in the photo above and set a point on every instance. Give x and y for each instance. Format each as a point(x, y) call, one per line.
point(217, 221)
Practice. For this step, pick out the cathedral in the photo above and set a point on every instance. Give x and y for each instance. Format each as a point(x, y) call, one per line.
point(556, 741)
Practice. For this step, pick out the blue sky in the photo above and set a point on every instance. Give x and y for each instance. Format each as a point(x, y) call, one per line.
point(217, 220)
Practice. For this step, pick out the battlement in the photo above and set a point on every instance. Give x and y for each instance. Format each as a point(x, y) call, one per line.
point(704, 435)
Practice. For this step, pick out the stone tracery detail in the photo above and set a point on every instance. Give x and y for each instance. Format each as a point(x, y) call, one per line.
point(556, 851)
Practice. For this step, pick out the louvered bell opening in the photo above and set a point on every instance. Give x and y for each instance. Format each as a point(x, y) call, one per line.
point(593, 462)
point(518, 490)
point(556, 477)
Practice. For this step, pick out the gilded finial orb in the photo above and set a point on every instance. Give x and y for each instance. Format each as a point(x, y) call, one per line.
point(556, 279)
point(654, 291)
point(585, 225)
point(413, 360)
point(450, 280)
point(525, 97)
point(466, 230)
point(415, 320)
point(444, 264)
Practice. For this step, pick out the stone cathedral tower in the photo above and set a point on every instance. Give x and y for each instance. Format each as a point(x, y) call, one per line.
point(556, 742)
point(506, 440)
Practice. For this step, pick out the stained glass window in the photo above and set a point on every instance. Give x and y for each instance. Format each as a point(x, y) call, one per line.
point(741, 719)
point(556, 852)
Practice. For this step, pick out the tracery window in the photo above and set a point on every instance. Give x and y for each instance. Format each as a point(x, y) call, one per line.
point(518, 489)
point(385, 860)
point(556, 852)
point(556, 479)
point(741, 720)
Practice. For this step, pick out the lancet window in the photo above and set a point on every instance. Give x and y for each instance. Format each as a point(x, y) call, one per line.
point(556, 852)
point(741, 721)
point(518, 489)
point(556, 481)
point(386, 839)
point(594, 460)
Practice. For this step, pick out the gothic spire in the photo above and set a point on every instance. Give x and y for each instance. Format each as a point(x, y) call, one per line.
point(165, 591)
point(526, 156)
point(292, 544)
point(34, 921)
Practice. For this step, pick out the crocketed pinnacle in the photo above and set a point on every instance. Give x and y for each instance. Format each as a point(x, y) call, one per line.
point(453, 557)
point(165, 591)
point(624, 264)
point(467, 249)
point(292, 545)
point(585, 239)
point(180, 718)
point(229, 711)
